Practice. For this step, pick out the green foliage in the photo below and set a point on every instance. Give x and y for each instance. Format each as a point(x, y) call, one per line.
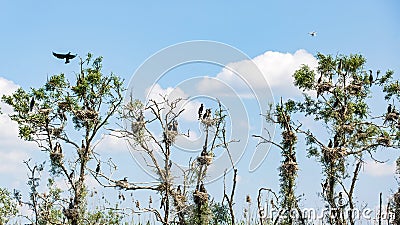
point(8, 207)
point(304, 77)
point(220, 214)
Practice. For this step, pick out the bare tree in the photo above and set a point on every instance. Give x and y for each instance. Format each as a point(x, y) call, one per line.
point(142, 128)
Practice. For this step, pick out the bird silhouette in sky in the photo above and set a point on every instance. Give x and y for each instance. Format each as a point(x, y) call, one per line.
point(67, 56)
point(313, 33)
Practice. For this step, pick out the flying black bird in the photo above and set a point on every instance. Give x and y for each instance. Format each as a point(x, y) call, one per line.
point(330, 143)
point(201, 110)
point(32, 103)
point(371, 78)
point(389, 108)
point(312, 33)
point(67, 56)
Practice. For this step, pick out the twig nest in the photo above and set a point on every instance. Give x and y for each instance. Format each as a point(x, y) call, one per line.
point(393, 116)
point(354, 88)
point(86, 114)
point(136, 127)
point(205, 160)
point(180, 200)
point(64, 105)
point(289, 136)
point(200, 197)
point(324, 86)
point(383, 140)
point(209, 121)
point(123, 184)
point(334, 153)
point(290, 166)
point(71, 213)
point(57, 131)
point(171, 136)
point(45, 111)
point(348, 128)
point(56, 156)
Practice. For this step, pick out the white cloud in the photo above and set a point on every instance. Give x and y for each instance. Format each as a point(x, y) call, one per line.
point(12, 150)
point(376, 169)
point(276, 69)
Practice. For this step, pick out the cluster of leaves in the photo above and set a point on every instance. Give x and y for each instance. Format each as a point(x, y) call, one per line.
point(8, 207)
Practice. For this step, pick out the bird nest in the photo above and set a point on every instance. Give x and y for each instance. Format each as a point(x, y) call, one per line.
point(205, 160)
point(208, 121)
point(171, 136)
point(290, 166)
point(200, 197)
point(45, 111)
point(64, 105)
point(348, 128)
point(324, 86)
point(56, 156)
point(180, 200)
point(383, 140)
point(393, 116)
point(86, 114)
point(71, 213)
point(137, 127)
point(289, 136)
point(335, 153)
point(354, 88)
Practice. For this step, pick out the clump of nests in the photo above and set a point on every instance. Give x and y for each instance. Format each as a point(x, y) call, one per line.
point(392, 116)
point(324, 86)
point(56, 157)
point(170, 136)
point(86, 114)
point(205, 160)
point(289, 136)
point(384, 140)
point(354, 88)
point(200, 197)
point(208, 121)
point(180, 200)
point(290, 166)
point(71, 213)
point(334, 153)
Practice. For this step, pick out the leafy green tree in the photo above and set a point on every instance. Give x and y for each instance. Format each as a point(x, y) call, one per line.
point(281, 115)
point(8, 207)
point(343, 90)
point(63, 119)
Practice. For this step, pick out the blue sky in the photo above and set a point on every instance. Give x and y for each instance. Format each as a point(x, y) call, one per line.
point(126, 33)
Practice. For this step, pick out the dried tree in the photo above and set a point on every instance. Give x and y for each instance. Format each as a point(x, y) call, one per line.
point(143, 125)
point(56, 117)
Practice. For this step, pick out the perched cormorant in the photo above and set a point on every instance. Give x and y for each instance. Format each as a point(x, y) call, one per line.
point(200, 112)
